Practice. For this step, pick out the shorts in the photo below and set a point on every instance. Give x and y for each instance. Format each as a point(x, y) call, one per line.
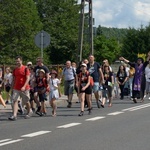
point(107, 91)
point(42, 97)
point(96, 87)
point(24, 95)
point(68, 87)
point(87, 90)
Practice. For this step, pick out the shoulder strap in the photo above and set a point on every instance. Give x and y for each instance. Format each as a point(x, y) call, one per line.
point(64, 70)
point(45, 82)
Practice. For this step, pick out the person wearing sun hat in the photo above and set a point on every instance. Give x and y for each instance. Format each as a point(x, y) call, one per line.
point(39, 66)
point(54, 91)
point(41, 88)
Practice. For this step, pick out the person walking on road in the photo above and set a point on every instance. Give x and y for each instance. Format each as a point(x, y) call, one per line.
point(70, 77)
point(7, 83)
point(107, 86)
point(97, 74)
point(21, 88)
point(121, 79)
point(85, 90)
point(54, 91)
point(147, 76)
point(42, 88)
point(139, 77)
point(39, 66)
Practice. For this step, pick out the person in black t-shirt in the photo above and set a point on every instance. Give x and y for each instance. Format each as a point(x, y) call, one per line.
point(97, 74)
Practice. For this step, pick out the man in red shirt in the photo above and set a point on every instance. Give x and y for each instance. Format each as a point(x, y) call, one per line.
point(20, 85)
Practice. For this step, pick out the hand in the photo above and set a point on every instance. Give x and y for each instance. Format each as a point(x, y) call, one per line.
point(23, 89)
point(83, 89)
point(121, 58)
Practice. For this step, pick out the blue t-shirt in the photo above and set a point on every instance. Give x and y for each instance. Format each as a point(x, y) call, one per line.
point(94, 71)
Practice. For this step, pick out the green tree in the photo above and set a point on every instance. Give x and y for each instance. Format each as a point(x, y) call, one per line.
point(137, 41)
point(106, 48)
point(19, 24)
point(60, 20)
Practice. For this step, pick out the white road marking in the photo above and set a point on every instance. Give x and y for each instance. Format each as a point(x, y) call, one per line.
point(4, 140)
point(136, 107)
point(95, 118)
point(115, 113)
point(139, 108)
point(35, 134)
point(69, 125)
point(10, 142)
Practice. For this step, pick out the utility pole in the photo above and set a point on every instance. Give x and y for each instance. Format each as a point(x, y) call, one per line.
point(91, 27)
point(81, 28)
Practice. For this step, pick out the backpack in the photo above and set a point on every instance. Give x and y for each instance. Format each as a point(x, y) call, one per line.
point(44, 81)
point(131, 72)
point(91, 78)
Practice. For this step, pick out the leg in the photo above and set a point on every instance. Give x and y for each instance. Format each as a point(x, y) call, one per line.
point(53, 105)
point(82, 99)
point(88, 98)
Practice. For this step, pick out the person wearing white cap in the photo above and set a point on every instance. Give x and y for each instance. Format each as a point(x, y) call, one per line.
point(85, 88)
point(29, 63)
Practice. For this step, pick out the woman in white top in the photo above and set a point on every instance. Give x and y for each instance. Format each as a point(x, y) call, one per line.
point(54, 91)
point(147, 76)
point(7, 82)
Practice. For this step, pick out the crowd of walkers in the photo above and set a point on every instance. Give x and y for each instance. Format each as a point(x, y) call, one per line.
point(28, 86)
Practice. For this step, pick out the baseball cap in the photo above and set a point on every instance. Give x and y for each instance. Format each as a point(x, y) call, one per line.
point(83, 64)
point(42, 70)
point(29, 63)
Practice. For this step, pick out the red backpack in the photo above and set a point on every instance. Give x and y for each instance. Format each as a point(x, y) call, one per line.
point(91, 78)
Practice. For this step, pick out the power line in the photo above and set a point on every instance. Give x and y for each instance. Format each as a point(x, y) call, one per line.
point(135, 7)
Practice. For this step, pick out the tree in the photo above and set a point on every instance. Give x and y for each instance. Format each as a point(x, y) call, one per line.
point(105, 48)
point(60, 20)
point(137, 41)
point(19, 24)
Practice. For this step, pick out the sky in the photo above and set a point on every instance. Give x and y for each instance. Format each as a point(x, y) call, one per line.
point(121, 13)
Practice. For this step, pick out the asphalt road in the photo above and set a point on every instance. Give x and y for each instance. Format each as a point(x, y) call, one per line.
point(124, 126)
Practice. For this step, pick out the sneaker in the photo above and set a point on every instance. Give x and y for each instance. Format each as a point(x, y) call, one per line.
point(98, 104)
point(102, 106)
point(81, 113)
point(12, 118)
point(21, 111)
point(28, 115)
point(7, 102)
point(90, 111)
point(134, 100)
point(69, 105)
point(38, 113)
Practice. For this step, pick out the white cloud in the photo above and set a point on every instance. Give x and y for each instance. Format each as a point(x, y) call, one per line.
point(121, 13)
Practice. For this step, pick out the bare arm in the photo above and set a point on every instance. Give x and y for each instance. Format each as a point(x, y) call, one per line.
point(101, 75)
point(123, 59)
